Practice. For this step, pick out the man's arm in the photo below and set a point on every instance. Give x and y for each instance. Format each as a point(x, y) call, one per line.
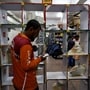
point(26, 58)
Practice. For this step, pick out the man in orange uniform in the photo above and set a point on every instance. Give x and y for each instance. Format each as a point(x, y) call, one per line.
point(24, 64)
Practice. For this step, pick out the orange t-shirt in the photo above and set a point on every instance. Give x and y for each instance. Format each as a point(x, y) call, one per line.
point(25, 68)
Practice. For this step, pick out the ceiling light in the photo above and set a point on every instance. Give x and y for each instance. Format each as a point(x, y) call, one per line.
point(60, 14)
point(61, 1)
point(39, 14)
point(87, 2)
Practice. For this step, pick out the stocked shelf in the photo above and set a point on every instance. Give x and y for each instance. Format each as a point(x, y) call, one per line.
point(81, 77)
point(5, 27)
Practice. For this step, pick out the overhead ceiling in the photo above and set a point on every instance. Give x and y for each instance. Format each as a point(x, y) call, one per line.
point(18, 14)
point(53, 1)
point(14, 0)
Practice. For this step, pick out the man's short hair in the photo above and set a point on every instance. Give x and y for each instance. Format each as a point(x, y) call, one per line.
point(33, 23)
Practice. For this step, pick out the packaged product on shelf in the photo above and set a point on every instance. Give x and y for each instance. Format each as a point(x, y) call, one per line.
point(59, 85)
point(78, 70)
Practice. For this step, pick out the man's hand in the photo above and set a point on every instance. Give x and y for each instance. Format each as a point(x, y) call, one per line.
point(44, 57)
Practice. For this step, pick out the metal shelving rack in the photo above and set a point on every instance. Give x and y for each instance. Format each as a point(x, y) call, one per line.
point(64, 75)
point(6, 75)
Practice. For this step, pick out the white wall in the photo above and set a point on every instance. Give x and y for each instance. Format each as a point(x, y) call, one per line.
point(52, 21)
point(64, 20)
point(12, 34)
point(3, 16)
point(84, 20)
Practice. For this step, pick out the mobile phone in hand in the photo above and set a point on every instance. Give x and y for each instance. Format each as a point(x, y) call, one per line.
point(45, 55)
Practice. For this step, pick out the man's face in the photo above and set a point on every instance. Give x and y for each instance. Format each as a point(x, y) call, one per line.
point(34, 34)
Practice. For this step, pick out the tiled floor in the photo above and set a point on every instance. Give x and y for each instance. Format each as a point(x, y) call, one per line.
point(56, 65)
